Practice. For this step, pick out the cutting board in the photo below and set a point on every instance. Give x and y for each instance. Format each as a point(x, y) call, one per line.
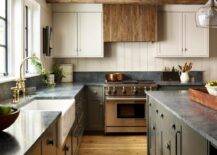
point(203, 97)
point(67, 72)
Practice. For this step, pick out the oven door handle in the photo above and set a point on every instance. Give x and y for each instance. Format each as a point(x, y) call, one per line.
point(126, 98)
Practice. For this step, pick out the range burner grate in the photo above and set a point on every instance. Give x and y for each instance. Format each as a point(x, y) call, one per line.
point(133, 82)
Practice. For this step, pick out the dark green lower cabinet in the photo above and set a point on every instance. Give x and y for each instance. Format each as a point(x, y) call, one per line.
point(95, 108)
point(167, 135)
point(80, 121)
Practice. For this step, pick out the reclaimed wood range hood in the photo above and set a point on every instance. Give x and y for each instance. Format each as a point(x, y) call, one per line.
point(159, 2)
point(130, 20)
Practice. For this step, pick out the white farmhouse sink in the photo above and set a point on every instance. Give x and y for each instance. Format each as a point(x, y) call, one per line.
point(65, 106)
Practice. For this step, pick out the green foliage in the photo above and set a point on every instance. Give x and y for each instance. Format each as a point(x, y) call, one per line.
point(212, 83)
point(58, 73)
point(40, 69)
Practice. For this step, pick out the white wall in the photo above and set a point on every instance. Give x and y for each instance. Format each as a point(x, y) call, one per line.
point(46, 20)
point(139, 57)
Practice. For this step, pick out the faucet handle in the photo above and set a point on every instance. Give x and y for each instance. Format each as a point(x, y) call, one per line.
point(15, 94)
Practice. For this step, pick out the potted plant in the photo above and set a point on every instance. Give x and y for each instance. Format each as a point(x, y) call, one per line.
point(58, 73)
point(184, 72)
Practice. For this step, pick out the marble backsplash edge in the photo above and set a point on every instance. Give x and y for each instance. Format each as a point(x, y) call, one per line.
point(94, 77)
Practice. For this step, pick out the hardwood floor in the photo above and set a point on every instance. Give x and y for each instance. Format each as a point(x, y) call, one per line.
point(113, 145)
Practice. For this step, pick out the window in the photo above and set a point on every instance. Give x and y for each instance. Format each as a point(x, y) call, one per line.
point(3, 39)
point(31, 33)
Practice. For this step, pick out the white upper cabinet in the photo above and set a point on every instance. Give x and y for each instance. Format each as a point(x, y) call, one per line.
point(178, 34)
point(77, 30)
point(90, 35)
point(65, 34)
point(171, 32)
point(196, 39)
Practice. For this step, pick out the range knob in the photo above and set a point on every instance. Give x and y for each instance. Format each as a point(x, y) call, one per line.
point(114, 91)
point(123, 90)
point(134, 90)
point(109, 91)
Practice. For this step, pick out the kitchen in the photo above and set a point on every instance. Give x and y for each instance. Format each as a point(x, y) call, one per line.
point(108, 77)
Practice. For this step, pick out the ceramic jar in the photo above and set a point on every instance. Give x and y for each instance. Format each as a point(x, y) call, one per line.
point(184, 77)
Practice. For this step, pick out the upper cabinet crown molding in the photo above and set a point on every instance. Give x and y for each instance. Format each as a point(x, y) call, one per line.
point(77, 8)
point(129, 23)
point(159, 2)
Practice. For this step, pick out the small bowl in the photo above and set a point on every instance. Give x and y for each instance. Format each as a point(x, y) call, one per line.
point(212, 90)
point(7, 120)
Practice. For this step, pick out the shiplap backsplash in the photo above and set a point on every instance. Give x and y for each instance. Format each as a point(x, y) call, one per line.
point(139, 57)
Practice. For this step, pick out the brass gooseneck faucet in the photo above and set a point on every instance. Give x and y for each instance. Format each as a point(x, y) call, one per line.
point(20, 88)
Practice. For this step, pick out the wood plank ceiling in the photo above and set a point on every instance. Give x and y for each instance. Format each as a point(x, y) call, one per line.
point(160, 2)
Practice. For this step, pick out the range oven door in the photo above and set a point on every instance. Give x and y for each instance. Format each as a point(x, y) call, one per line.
point(130, 110)
point(123, 113)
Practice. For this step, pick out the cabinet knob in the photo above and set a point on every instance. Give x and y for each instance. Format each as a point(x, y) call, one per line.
point(162, 116)
point(174, 127)
point(50, 142)
point(168, 146)
point(66, 148)
point(157, 111)
point(150, 104)
point(153, 128)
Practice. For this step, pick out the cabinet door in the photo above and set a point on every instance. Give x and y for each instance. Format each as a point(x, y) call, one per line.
point(90, 38)
point(192, 142)
point(170, 35)
point(95, 108)
point(65, 34)
point(49, 141)
point(196, 40)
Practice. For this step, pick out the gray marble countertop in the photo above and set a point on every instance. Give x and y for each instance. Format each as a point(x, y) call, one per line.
point(30, 125)
point(24, 133)
point(202, 119)
point(177, 83)
point(62, 91)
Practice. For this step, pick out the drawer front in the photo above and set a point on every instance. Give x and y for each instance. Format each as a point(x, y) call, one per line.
point(49, 141)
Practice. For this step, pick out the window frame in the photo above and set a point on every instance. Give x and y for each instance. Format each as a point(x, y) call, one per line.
point(31, 34)
point(26, 40)
point(5, 19)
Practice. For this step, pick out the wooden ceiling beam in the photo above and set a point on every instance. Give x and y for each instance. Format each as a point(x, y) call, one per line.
point(159, 2)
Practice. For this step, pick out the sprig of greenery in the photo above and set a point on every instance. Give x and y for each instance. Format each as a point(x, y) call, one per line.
point(40, 69)
point(58, 72)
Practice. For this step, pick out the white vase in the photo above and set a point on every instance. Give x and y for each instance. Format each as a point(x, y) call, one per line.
point(184, 77)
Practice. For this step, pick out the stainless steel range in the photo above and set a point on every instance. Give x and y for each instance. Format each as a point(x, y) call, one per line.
point(125, 106)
